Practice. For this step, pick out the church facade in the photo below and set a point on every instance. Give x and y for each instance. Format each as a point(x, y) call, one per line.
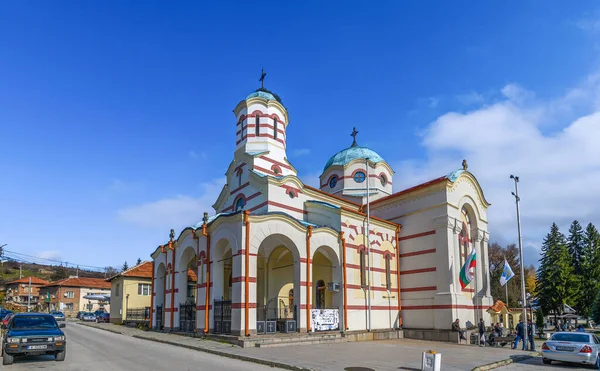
point(281, 256)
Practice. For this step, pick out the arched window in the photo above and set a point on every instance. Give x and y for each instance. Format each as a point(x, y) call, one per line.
point(388, 272)
point(240, 203)
point(363, 275)
point(275, 128)
point(257, 125)
point(320, 293)
point(240, 179)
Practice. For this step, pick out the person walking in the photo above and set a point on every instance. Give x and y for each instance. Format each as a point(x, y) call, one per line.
point(481, 328)
point(520, 334)
point(530, 333)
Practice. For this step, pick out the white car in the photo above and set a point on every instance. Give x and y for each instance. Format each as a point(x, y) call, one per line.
point(88, 317)
point(574, 347)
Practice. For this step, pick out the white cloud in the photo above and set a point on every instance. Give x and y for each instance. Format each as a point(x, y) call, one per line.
point(174, 212)
point(50, 254)
point(311, 179)
point(470, 98)
point(590, 25)
point(195, 155)
point(559, 170)
point(301, 152)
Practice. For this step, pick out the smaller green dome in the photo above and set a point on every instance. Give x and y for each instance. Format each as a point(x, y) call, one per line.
point(264, 93)
point(353, 153)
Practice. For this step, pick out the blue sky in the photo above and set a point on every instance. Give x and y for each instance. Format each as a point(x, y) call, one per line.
point(116, 117)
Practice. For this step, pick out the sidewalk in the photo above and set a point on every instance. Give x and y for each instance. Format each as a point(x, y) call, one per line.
point(382, 355)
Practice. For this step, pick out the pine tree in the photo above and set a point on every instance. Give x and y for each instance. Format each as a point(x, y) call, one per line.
point(590, 271)
point(125, 266)
point(139, 261)
point(576, 245)
point(557, 283)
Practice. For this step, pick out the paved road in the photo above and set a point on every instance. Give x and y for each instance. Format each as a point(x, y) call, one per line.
point(535, 364)
point(93, 349)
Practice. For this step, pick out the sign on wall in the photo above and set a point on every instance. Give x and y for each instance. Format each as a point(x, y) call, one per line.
point(325, 319)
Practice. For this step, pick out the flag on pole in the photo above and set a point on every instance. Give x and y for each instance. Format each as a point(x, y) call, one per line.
point(507, 274)
point(466, 276)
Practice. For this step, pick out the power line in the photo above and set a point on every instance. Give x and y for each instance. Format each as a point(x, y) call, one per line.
point(53, 260)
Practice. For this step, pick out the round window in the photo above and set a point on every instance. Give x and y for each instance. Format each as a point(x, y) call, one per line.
point(239, 204)
point(291, 194)
point(359, 177)
point(383, 179)
point(333, 182)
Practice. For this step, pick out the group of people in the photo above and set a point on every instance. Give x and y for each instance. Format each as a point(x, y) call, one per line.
point(497, 332)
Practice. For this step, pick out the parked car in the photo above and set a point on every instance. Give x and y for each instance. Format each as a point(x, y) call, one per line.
point(4, 312)
point(33, 334)
point(103, 317)
point(574, 347)
point(59, 316)
point(88, 317)
point(79, 314)
point(7, 318)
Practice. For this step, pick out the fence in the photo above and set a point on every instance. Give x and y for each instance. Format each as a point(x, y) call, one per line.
point(138, 314)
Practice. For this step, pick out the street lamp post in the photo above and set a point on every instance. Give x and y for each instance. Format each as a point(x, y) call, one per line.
point(523, 298)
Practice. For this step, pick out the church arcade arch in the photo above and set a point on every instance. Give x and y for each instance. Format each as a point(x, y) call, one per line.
point(278, 278)
point(160, 285)
point(325, 268)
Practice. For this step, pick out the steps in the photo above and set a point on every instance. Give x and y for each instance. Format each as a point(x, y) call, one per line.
point(302, 339)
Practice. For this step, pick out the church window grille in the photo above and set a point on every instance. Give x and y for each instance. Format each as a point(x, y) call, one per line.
point(320, 302)
point(275, 128)
point(359, 177)
point(388, 272)
point(383, 179)
point(333, 181)
point(363, 275)
point(240, 203)
point(257, 125)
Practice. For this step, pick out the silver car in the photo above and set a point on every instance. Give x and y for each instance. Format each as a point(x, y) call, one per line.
point(575, 347)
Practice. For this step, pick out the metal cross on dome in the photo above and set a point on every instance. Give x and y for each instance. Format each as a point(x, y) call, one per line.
point(262, 78)
point(353, 135)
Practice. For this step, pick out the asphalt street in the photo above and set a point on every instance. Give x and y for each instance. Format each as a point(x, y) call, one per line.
point(535, 364)
point(93, 349)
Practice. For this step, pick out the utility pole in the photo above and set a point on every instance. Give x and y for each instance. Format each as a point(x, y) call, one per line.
point(21, 271)
point(368, 246)
point(29, 295)
point(77, 274)
point(524, 314)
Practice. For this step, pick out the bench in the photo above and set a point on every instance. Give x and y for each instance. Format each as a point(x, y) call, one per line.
point(503, 340)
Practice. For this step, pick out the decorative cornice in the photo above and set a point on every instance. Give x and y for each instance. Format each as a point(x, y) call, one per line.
point(444, 221)
point(486, 236)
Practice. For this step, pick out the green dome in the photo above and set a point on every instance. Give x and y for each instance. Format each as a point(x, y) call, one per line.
point(264, 93)
point(353, 153)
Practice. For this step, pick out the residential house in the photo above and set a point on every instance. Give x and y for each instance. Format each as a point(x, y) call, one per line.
point(69, 295)
point(19, 292)
point(131, 293)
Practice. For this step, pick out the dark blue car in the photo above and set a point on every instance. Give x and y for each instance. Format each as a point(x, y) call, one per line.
point(33, 334)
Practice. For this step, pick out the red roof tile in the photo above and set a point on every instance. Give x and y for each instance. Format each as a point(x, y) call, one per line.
point(409, 190)
point(34, 281)
point(95, 283)
point(142, 270)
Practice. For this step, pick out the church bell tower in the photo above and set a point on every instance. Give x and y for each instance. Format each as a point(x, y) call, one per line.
point(261, 131)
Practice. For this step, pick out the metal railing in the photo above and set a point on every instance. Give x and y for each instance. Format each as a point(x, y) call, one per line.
point(138, 314)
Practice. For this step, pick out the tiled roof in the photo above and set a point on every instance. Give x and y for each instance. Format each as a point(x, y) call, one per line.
point(498, 305)
point(34, 281)
point(95, 283)
point(142, 270)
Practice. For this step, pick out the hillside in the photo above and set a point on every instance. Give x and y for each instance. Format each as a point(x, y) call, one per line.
point(9, 271)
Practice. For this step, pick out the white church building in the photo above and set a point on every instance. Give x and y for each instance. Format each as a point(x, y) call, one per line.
point(281, 256)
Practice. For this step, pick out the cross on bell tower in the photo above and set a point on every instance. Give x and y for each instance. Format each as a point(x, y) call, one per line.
point(353, 135)
point(262, 78)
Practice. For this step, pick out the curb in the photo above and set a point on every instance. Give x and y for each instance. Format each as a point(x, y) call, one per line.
point(505, 362)
point(229, 355)
point(100, 328)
